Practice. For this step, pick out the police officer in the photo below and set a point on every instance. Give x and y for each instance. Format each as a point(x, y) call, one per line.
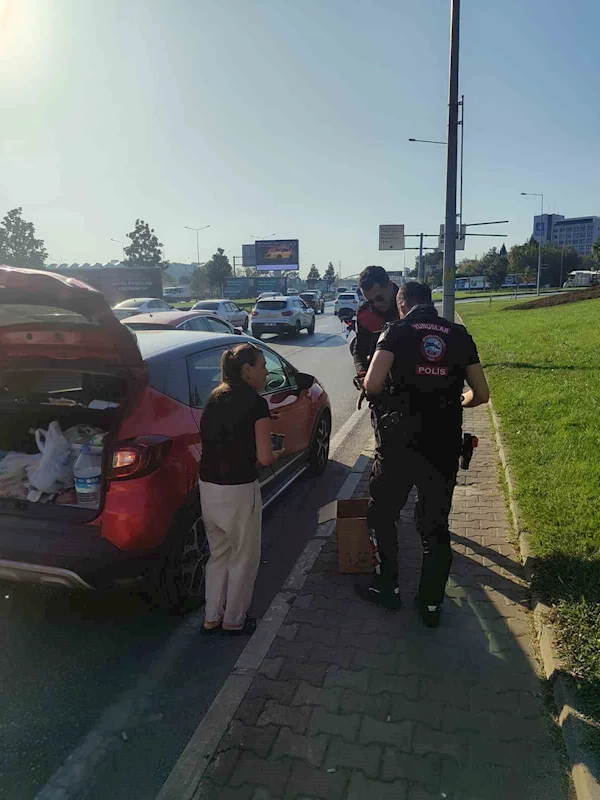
point(380, 307)
point(416, 379)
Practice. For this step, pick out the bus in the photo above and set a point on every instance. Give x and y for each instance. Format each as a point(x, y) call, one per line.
point(176, 293)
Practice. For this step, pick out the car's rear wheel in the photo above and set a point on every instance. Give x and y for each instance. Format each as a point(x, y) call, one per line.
point(245, 325)
point(311, 328)
point(319, 450)
point(179, 584)
point(295, 331)
point(257, 333)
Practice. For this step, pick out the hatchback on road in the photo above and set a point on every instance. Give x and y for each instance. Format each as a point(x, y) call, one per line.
point(284, 315)
point(65, 357)
point(182, 321)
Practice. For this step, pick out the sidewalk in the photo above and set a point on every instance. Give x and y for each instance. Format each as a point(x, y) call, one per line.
point(356, 703)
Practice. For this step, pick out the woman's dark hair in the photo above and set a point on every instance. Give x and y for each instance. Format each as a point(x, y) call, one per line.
point(373, 275)
point(414, 293)
point(232, 364)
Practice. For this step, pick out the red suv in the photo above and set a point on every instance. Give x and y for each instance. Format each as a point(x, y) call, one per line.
point(62, 349)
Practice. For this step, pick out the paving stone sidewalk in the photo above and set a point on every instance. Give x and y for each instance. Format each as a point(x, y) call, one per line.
point(358, 703)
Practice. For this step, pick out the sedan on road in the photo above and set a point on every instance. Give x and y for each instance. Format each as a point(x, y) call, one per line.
point(145, 393)
point(181, 320)
point(282, 314)
point(225, 309)
point(140, 305)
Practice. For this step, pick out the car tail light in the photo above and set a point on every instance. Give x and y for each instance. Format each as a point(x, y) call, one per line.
point(255, 313)
point(136, 458)
point(286, 313)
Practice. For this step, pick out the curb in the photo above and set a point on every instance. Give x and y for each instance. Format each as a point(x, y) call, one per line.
point(185, 777)
point(572, 724)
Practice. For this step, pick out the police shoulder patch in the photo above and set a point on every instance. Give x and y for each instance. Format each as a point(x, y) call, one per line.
point(433, 348)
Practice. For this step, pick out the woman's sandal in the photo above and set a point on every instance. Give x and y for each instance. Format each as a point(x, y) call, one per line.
point(248, 629)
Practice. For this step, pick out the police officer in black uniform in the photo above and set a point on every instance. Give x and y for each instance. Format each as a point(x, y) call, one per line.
point(380, 308)
point(416, 380)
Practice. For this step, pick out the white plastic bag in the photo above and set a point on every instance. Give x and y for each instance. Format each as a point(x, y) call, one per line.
point(55, 470)
point(13, 481)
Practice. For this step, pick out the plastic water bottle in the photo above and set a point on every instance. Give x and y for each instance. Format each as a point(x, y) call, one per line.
point(88, 478)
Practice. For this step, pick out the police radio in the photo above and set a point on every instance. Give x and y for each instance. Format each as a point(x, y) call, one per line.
point(469, 443)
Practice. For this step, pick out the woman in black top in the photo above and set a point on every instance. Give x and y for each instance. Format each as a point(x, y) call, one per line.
point(235, 431)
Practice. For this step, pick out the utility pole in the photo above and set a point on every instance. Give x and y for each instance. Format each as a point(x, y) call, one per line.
point(421, 272)
point(451, 169)
point(562, 260)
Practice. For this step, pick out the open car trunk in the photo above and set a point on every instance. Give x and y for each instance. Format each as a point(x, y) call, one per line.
point(66, 359)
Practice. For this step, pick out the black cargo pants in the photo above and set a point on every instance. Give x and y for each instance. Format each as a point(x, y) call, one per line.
point(397, 468)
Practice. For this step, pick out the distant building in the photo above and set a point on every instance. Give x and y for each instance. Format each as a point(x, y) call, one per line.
point(580, 233)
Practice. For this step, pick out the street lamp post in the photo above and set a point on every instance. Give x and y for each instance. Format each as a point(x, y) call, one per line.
point(203, 228)
point(451, 169)
point(539, 265)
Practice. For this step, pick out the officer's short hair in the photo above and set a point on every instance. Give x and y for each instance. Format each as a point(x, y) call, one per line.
point(414, 293)
point(373, 275)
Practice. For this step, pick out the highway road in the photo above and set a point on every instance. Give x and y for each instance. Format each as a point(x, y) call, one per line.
point(100, 696)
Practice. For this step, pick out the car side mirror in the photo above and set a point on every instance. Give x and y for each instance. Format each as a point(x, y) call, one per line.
point(239, 331)
point(304, 381)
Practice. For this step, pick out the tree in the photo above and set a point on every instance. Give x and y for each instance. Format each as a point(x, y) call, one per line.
point(523, 259)
point(18, 245)
point(596, 250)
point(199, 281)
point(145, 250)
point(313, 274)
point(494, 265)
point(469, 267)
point(329, 274)
point(433, 267)
point(218, 269)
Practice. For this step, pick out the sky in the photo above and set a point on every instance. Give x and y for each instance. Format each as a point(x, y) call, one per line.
point(277, 116)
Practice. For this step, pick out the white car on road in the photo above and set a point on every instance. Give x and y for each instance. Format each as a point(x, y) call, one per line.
point(346, 300)
point(225, 309)
point(282, 315)
point(140, 305)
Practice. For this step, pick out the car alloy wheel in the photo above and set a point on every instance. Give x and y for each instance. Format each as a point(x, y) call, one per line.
point(194, 557)
point(297, 330)
point(319, 451)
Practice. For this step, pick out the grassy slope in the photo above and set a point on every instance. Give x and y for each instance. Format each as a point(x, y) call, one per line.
point(544, 370)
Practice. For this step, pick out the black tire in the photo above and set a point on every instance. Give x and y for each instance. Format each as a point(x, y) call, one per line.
point(319, 449)
point(178, 584)
point(311, 328)
point(245, 325)
point(295, 331)
point(257, 333)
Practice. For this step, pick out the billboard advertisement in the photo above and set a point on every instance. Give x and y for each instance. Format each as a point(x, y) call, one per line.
point(277, 255)
point(120, 283)
point(239, 288)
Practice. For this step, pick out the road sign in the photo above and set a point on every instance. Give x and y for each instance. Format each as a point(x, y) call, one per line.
point(461, 233)
point(391, 237)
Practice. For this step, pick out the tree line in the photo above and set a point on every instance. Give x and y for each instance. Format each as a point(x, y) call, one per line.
point(521, 259)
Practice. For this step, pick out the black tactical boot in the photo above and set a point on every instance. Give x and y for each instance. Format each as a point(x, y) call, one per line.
point(383, 593)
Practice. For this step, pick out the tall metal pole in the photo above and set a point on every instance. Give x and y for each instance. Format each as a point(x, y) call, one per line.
point(462, 155)
point(562, 261)
point(197, 251)
point(451, 169)
point(539, 269)
point(421, 267)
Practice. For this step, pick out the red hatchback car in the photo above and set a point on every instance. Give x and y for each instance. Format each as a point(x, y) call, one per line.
point(62, 349)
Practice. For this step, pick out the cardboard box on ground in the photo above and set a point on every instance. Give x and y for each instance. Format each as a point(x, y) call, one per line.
point(355, 554)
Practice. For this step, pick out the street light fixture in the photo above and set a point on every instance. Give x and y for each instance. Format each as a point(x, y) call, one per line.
point(260, 238)
point(203, 228)
point(539, 266)
point(427, 141)
point(119, 241)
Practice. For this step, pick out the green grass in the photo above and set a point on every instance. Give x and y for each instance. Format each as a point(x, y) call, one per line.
point(467, 293)
point(543, 366)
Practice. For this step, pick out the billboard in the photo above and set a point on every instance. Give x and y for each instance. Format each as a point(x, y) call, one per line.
point(238, 288)
point(120, 283)
point(277, 255)
point(248, 257)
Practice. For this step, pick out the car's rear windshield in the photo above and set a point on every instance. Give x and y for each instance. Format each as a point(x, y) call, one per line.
point(272, 305)
point(22, 314)
point(130, 304)
point(347, 297)
point(308, 296)
point(207, 306)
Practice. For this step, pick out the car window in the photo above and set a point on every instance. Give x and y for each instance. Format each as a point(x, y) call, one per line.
point(231, 308)
point(204, 373)
point(217, 326)
point(273, 305)
point(196, 324)
point(278, 377)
